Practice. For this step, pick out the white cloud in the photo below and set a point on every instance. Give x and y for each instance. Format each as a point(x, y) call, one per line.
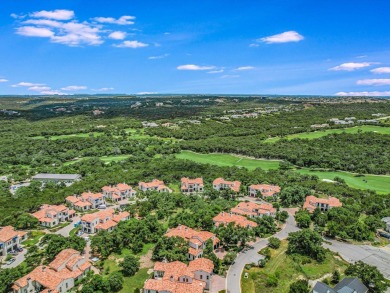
point(131, 44)
point(103, 89)
point(158, 57)
point(215, 71)
point(53, 92)
point(194, 67)
point(3, 80)
point(253, 45)
point(365, 94)
point(39, 88)
point(17, 16)
point(27, 84)
point(381, 70)
point(75, 34)
point(58, 14)
point(146, 93)
point(74, 88)
point(44, 22)
point(117, 35)
point(383, 81)
point(123, 20)
point(230, 76)
point(286, 37)
point(31, 31)
point(245, 68)
point(351, 66)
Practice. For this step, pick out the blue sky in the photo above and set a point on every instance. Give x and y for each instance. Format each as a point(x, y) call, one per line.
point(221, 47)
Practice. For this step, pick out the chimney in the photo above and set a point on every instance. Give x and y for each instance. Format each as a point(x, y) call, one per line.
point(43, 269)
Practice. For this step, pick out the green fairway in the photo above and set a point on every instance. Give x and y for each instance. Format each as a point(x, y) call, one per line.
point(380, 184)
point(229, 160)
point(106, 159)
point(321, 133)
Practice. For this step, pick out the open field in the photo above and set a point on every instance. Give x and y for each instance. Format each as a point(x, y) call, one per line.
point(228, 160)
point(379, 183)
point(287, 271)
point(56, 137)
point(106, 159)
point(321, 133)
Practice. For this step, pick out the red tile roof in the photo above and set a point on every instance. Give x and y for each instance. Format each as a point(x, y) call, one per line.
point(312, 201)
point(233, 185)
point(8, 232)
point(253, 209)
point(227, 218)
point(266, 189)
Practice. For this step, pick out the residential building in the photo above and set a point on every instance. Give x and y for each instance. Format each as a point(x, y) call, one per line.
point(119, 192)
point(103, 220)
point(347, 285)
point(10, 239)
point(154, 185)
point(57, 178)
point(324, 204)
point(52, 215)
point(96, 199)
point(59, 276)
point(177, 277)
point(222, 184)
point(252, 210)
point(225, 219)
point(78, 203)
point(387, 222)
point(319, 125)
point(191, 185)
point(149, 124)
point(196, 240)
point(265, 190)
point(372, 121)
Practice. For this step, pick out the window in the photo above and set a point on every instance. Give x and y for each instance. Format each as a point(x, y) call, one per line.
point(201, 277)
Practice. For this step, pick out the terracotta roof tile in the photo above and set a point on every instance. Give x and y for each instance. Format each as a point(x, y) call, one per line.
point(227, 218)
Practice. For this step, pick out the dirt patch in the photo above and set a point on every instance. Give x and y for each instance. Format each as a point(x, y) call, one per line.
point(146, 260)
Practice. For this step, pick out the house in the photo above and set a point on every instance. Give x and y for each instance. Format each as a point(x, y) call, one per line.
point(191, 185)
point(59, 276)
point(324, 204)
point(265, 190)
point(103, 220)
point(149, 124)
point(252, 210)
point(347, 285)
point(196, 240)
point(96, 199)
point(222, 184)
point(57, 178)
point(78, 203)
point(154, 185)
point(177, 277)
point(225, 219)
point(52, 215)
point(372, 121)
point(119, 192)
point(319, 125)
point(10, 239)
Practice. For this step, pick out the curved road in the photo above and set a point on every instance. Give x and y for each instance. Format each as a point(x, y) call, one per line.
point(233, 279)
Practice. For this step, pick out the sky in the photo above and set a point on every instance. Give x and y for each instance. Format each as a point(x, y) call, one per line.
point(294, 47)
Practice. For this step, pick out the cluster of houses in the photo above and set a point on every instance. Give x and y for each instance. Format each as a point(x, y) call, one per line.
point(346, 121)
point(52, 215)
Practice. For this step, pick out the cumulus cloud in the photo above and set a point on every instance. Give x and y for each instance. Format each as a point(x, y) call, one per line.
point(351, 66)
point(375, 81)
point(39, 88)
point(286, 37)
point(53, 92)
point(242, 68)
point(131, 44)
point(158, 57)
point(31, 31)
point(117, 35)
point(381, 70)
point(215, 71)
point(3, 80)
point(27, 84)
point(74, 88)
point(146, 93)
point(194, 67)
point(123, 20)
point(363, 94)
point(58, 14)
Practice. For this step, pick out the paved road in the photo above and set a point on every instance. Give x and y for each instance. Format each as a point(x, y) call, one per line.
point(66, 230)
point(19, 259)
point(233, 279)
point(378, 257)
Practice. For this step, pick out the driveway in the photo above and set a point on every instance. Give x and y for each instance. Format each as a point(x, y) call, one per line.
point(19, 259)
point(66, 230)
point(378, 257)
point(233, 279)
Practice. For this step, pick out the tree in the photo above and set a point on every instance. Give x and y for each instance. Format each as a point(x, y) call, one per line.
point(300, 286)
point(293, 195)
point(130, 265)
point(282, 216)
point(306, 242)
point(229, 258)
point(336, 277)
point(115, 281)
point(303, 219)
point(369, 275)
point(274, 242)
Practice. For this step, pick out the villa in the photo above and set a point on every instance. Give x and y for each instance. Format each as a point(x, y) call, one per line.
point(177, 277)
point(265, 190)
point(154, 185)
point(59, 276)
point(191, 185)
point(103, 220)
point(225, 219)
point(119, 192)
point(10, 239)
point(196, 240)
point(323, 204)
point(222, 184)
point(52, 215)
point(252, 210)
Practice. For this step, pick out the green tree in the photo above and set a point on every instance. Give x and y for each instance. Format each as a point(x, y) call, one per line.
point(306, 242)
point(130, 265)
point(302, 217)
point(274, 242)
point(336, 277)
point(300, 286)
point(115, 281)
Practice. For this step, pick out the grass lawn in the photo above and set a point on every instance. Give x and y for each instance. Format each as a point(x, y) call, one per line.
point(287, 271)
point(74, 230)
point(34, 238)
point(56, 137)
point(106, 159)
point(379, 183)
point(229, 160)
point(321, 133)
